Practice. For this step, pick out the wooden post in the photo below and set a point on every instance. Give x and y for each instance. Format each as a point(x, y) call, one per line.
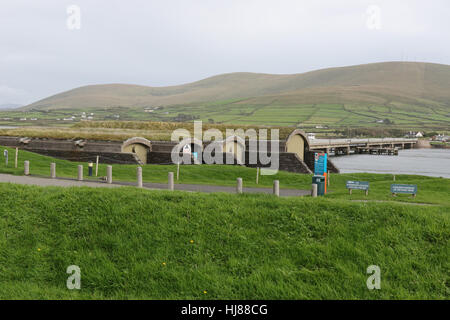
point(350, 191)
point(96, 167)
point(170, 183)
point(109, 174)
point(80, 172)
point(257, 175)
point(53, 170)
point(239, 185)
point(314, 190)
point(26, 168)
point(276, 188)
point(328, 178)
point(393, 177)
point(178, 171)
point(367, 192)
point(139, 177)
point(17, 155)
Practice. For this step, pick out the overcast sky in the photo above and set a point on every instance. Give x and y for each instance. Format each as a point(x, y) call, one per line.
point(46, 49)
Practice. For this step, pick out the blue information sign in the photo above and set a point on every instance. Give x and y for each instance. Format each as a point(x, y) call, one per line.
point(404, 188)
point(358, 185)
point(320, 164)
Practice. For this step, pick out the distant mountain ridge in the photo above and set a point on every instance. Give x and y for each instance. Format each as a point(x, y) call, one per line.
point(378, 83)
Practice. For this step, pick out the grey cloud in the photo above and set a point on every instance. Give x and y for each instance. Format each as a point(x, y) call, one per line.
point(170, 42)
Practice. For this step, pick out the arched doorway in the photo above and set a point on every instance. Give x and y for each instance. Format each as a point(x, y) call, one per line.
point(139, 146)
point(297, 143)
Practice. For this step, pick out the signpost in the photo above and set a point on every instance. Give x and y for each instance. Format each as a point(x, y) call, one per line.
point(358, 185)
point(404, 188)
point(320, 166)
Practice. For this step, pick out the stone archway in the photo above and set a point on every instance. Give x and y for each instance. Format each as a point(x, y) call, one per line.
point(139, 146)
point(297, 142)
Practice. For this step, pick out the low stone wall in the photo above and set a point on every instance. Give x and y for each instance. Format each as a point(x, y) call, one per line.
point(165, 158)
point(423, 144)
point(86, 156)
point(60, 144)
point(156, 157)
point(287, 162)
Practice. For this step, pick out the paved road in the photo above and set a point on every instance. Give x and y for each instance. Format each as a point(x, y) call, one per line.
point(60, 182)
point(39, 181)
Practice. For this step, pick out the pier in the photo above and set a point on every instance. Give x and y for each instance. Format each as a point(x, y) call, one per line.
point(378, 146)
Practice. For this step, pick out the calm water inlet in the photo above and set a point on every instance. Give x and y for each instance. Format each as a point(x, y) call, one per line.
point(426, 162)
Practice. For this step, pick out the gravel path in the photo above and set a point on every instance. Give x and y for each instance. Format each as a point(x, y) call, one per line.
point(61, 182)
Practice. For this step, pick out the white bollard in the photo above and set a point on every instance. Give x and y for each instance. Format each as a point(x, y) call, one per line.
point(26, 168)
point(96, 167)
point(314, 190)
point(15, 160)
point(139, 177)
point(80, 172)
point(109, 174)
point(239, 185)
point(276, 188)
point(53, 170)
point(170, 185)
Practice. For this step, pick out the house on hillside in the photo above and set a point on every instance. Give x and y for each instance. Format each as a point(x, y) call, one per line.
point(413, 134)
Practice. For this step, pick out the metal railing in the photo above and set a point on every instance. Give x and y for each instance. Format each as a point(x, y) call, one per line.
point(331, 142)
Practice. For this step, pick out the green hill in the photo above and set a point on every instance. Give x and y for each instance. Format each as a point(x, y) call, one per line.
point(404, 95)
point(408, 82)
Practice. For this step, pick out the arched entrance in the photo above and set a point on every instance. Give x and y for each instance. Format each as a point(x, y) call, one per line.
point(139, 146)
point(297, 142)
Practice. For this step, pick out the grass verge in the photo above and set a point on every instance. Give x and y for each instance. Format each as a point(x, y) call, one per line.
point(140, 244)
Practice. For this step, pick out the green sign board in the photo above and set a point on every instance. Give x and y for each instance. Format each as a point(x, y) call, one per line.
point(404, 188)
point(358, 185)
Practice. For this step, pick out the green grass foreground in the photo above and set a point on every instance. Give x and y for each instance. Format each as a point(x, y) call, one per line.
point(140, 244)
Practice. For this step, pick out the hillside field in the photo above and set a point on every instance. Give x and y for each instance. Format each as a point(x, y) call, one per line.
point(409, 95)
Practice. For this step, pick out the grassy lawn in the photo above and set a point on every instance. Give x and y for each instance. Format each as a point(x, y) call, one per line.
point(430, 190)
point(134, 243)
